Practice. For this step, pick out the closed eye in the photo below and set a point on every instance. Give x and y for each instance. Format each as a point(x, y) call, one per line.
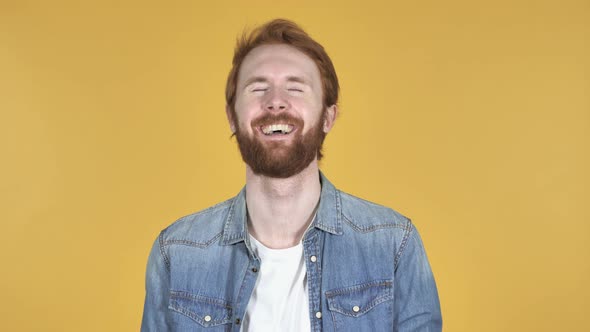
point(293, 89)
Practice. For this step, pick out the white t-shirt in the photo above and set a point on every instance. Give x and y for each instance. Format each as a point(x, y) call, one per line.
point(280, 300)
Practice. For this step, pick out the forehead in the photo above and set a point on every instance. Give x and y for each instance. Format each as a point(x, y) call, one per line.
point(277, 61)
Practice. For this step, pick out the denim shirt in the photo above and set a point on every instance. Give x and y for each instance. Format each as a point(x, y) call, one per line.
point(367, 270)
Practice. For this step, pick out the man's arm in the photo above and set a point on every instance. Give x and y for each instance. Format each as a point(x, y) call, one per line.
point(157, 285)
point(417, 306)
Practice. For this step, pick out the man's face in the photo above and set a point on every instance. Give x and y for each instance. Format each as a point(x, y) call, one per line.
point(279, 119)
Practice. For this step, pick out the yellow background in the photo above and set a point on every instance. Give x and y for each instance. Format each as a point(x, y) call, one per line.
point(470, 117)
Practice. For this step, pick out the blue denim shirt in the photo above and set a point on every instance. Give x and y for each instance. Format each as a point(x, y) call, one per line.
point(370, 271)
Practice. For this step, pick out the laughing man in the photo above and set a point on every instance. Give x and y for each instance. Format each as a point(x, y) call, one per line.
point(290, 252)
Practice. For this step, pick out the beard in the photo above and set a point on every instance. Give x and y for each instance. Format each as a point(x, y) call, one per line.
point(281, 159)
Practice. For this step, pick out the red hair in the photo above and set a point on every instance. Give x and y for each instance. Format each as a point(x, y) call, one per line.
point(281, 31)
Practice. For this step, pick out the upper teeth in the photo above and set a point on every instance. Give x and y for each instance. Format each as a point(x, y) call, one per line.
point(283, 128)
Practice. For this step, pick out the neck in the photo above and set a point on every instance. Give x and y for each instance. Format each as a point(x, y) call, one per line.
point(280, 210)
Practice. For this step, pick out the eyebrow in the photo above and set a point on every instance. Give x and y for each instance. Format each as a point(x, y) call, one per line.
point(255, 79)
point(262, 79)
point(296, 79)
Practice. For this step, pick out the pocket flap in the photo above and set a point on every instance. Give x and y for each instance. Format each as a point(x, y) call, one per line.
point(207, 311)
point(357, 300)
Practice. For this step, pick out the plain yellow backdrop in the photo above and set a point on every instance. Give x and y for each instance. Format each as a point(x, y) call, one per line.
point(470, 117)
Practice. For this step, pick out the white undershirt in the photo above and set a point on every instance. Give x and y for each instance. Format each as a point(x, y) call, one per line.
point(280, 300)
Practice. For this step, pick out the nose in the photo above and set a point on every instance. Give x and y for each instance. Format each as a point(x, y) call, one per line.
point(276, 101)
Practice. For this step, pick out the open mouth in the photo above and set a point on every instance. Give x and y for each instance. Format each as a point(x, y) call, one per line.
point(277, 129)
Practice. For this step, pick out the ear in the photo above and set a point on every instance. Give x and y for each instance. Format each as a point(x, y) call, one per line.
point(330, 118)
point(230, 119)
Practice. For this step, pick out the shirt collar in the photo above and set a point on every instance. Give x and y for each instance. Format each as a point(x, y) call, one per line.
point(328, 218)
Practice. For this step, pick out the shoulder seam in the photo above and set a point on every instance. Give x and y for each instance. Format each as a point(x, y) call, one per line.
point(162, 250)
point(408, 231)
point(192, 243)
point(354, 226)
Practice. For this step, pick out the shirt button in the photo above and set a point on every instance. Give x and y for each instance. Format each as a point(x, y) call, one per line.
point(237, 321)
point(254, 270)
point(318, 315)
point(356, 308)
point(313, 259)
point(207, 318)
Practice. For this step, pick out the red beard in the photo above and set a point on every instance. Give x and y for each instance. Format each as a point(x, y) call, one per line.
point(281, 159)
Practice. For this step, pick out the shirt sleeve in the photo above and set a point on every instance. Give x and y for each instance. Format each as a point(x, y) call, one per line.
point(417, 306)
point(157, 282)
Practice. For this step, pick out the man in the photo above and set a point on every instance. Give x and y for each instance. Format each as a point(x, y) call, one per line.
point(290, 252)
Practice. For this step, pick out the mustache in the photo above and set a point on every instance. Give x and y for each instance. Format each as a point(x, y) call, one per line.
point(271, 118)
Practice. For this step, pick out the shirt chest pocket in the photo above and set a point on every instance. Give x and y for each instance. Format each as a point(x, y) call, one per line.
point(207, 311)
point(367, 306)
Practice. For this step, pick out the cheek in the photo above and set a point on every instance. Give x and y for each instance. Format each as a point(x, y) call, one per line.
point(244, 113)
point(312, 114)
